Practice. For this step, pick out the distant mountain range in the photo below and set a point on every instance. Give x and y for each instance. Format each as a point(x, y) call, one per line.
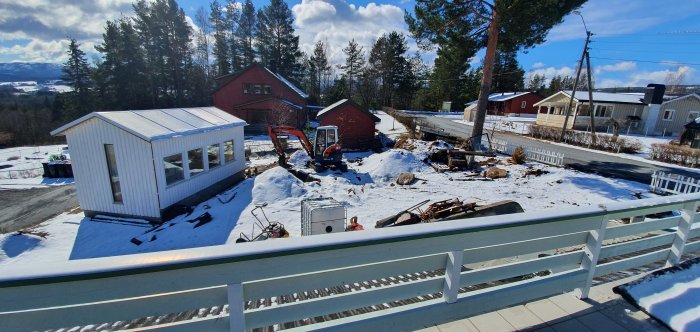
point(29, 71)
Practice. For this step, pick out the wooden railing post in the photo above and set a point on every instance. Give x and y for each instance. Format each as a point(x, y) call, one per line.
point(236, 308)
point(453, 272)
point(594, 242)
point(688, 214)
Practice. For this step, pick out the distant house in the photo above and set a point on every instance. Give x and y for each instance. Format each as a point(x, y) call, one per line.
point(355, 125)
point(261, 97)
point(142, 163)
point(651, 113)
point(507, 104)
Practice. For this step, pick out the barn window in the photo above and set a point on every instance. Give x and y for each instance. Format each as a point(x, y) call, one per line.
point(523, 104)
point(228, 151)
point(267, 89)
point(213, 154)
point(246, 88)
point(257, 89)
point(195, 160)
point(173, 169)
point(668, 115)
point(113, 173)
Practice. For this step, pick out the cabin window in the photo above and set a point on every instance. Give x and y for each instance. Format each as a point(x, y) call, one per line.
point(195, 161)
point(668, 115)
point(267, 89)
point(523, 104)
point(693, 115)
point(213, 154)
point(228, 151)
point(113, 173)
point(603, 111)
point(257, 89)
point(174, 171)
point(246, 88)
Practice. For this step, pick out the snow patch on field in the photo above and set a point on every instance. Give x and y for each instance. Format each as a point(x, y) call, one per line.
point(386, 166)
point(299, 158)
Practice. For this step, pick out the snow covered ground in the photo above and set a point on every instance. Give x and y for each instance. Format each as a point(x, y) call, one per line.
point(367, 191)
point(388, 125)
point(672, 297)
point(518, 125)
point(20, 168)
point(34, 86)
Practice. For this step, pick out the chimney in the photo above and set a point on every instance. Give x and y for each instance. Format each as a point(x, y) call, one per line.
point(654, 94)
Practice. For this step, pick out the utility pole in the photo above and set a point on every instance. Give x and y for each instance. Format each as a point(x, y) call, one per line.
point(578, 73)
point(590, 96)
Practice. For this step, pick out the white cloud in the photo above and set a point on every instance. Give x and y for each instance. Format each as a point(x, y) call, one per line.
point(39, 51)
point(642, 78)
point(550, 72)
point(620, 66)
point(336, 22)
point(538, 65)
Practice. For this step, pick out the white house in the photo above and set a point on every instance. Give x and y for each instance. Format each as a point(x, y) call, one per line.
point(140, 163)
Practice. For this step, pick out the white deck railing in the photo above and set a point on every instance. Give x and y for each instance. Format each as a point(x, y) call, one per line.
point(669, 183)
point(390, 279)
point(535, 154)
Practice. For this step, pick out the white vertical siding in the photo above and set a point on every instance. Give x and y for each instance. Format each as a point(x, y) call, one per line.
point(683, 107)
point(134, 165)
point(162, 148)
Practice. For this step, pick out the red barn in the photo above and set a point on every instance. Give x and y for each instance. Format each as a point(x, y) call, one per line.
point(355, 125)
point(513, 103)
point(261, 97)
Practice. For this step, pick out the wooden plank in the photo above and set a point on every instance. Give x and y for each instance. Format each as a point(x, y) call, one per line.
point(624, 264)
point(453, 267)
point(692, 246)
point(322, 279)
point(642, 227)
point(636, 245)
point(523, 247)
point(694, 232)
point(688, 215)
point(417, 315)
point(112, 311)
point(557, 262)
point(338, 303)
point(645, 210)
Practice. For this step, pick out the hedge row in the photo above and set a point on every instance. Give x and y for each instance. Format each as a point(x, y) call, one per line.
point(582, 138)
point(676, 154)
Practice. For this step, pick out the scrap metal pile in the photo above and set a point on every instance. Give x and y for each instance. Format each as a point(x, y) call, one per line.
point(449, 209)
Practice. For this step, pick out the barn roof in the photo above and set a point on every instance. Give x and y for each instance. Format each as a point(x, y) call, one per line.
point(157, 124)
point(334, 106)
point(225, 79)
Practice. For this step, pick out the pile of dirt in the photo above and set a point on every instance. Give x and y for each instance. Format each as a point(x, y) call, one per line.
point(276, 184)
point(495, 173)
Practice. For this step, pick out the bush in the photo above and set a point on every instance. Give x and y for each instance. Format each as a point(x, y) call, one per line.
point(676, 154)
point(581, 138)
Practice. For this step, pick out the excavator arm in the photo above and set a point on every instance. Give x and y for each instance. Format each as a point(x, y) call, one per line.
point(273, 131)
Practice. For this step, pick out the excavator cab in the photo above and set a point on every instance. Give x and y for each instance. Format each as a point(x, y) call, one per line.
point(327, 151)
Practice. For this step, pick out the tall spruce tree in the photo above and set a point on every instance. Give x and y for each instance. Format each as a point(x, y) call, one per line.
point(354, 65)
point(518, 25)
point(231, 18)
point(246, 33)
point(276, 42)
point(76, 74)
point(508, 76)
point(220, 49)
point(318, 70)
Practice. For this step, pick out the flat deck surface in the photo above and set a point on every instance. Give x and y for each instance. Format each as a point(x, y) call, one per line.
point(603, 311)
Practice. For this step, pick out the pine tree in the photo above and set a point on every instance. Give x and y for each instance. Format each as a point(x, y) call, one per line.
point(233, 14)
point(220, 51)
point(76, 74)
point(354, 65)
point(246, 33)
point(318, 70)
point(508, 76)
point(276, 42)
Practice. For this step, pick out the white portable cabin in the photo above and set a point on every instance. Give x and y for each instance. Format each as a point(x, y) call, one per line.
point(140, 163)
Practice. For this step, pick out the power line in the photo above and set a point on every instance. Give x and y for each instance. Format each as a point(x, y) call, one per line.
point(637, 50)
point(649, 61)
point(645, 42)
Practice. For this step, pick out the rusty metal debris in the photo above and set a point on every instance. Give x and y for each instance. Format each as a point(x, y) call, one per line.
point(450, 209)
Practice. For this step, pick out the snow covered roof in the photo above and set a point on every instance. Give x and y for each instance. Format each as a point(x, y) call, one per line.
point(151, 125)
point(503, 96)
point(606, 97)
point(335, 105)
point(289, 84)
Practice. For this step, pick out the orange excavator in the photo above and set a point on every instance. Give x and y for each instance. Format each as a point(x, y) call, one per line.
point(325, 151)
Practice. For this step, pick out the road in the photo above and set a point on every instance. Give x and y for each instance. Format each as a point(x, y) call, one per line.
point(23, 208)
point(583, 160)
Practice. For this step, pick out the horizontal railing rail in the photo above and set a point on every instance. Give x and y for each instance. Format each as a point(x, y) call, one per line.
point(398, 278)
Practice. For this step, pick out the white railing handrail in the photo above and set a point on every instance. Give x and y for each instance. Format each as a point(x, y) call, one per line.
point(124, 287)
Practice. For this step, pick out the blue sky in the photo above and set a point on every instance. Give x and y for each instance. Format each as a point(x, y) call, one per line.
point(635, 42)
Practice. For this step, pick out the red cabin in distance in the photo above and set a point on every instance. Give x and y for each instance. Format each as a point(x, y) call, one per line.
point(261, 98)
point(511, 103)
point(355, 125)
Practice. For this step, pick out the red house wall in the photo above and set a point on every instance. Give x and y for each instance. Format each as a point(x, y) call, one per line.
point(230, 96)
point(514, 105)
point(355, 127)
